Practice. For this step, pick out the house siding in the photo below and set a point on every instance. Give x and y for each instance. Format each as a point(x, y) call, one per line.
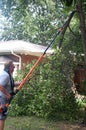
point(25, 59)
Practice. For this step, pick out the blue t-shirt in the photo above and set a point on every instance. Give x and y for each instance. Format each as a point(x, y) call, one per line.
point(5, 82)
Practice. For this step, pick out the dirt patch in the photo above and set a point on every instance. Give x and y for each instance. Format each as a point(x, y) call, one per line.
point(63, 126)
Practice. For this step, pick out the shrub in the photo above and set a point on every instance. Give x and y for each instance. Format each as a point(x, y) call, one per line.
point(48, 92)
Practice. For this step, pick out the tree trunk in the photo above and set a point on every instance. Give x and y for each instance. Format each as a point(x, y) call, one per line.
point(83, 34)
point(82, 26)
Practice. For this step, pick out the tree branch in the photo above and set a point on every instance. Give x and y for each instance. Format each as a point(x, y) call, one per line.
point(72, 31)
point(65, 27)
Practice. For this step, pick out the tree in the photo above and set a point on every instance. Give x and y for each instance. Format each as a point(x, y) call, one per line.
point(80, 7)
point(31, 20)
point(81, 14)
point(38, 21)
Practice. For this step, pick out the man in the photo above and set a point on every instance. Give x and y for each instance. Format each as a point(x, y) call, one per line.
point(6, 90)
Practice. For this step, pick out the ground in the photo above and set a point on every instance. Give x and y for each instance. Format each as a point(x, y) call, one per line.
point(33, 123)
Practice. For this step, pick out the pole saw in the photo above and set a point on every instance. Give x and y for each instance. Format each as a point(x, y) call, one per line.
point(37, 62)
point(60, 31)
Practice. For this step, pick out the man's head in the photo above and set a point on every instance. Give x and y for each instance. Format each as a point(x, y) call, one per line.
point(9, 66)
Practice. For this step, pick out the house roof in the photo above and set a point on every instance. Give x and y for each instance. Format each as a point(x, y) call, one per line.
point(22, 47)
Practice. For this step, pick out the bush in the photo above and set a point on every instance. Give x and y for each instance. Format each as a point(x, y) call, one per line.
point(48, 93)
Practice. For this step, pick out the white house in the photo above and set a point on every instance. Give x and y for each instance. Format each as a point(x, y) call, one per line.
point(21, 52)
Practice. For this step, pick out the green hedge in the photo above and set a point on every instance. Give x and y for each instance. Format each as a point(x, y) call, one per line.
point(48, 93)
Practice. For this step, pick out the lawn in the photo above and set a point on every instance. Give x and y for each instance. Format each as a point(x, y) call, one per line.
point(33, 123)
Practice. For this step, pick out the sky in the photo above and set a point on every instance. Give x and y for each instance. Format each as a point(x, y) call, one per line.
point(2, 22)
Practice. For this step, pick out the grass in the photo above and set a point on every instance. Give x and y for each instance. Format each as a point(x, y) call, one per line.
point(28, 123)
point(33, 123)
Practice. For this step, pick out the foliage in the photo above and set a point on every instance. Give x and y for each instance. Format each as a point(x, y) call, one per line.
point(38, 21)
point(48, 92)
point(68, 2)
point(34, 21)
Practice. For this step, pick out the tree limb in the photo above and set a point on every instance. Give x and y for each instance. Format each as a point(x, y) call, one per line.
point(65, 27)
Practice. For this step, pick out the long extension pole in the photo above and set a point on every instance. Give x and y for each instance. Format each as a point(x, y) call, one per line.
point(61, 30)
point(37, 62)
point(65, 25)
